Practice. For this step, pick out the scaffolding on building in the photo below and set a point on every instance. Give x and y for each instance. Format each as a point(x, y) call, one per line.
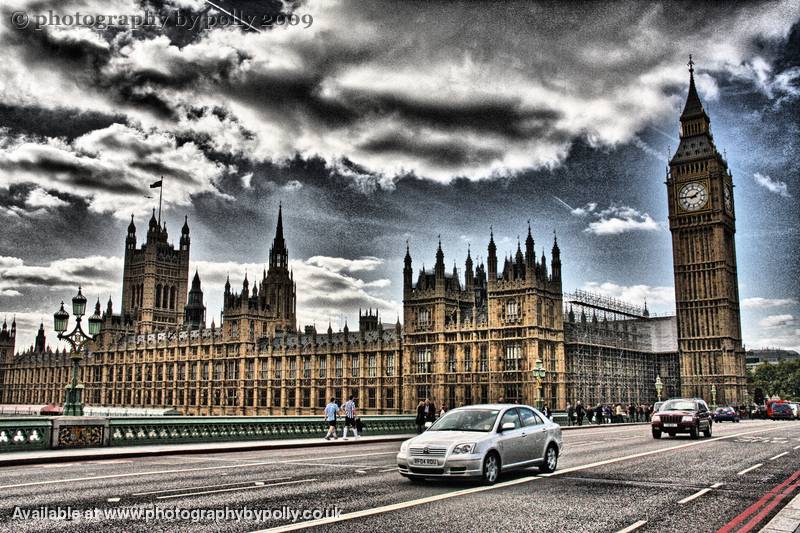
point(609, 352)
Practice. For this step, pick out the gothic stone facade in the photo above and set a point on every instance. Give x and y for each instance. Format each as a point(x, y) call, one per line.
point(479, 341)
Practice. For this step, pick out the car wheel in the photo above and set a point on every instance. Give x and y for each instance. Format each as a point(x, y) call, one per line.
point(550, 460)
point(707, 432)
point(694, 433)
point(656, 434)
point(491, 468)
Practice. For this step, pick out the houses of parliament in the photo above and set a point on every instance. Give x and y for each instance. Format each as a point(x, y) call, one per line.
point(463, 339)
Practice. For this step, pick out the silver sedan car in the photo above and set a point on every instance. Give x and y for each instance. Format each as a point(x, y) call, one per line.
point(482, 441)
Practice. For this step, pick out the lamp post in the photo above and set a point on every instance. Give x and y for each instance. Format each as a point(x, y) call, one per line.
point(78, 342)
point(538, 374)
point(659, 387)
point(713, 396)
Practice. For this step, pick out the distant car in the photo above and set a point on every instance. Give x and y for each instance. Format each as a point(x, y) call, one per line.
point(725, 414)
point(795, 409)
point(682, 415)
point(781, 411)
point(481, 441)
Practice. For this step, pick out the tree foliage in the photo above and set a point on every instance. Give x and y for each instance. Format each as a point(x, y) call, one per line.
point(781, 380)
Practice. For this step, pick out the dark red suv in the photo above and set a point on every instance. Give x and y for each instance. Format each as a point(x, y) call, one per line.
point(682, 415)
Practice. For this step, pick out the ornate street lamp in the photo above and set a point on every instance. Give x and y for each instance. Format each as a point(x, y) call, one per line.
point(538, 374)
point(713, 396)
point(78, 341)
point(659, 387)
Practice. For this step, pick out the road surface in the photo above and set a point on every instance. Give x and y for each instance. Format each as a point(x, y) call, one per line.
point(608, 479)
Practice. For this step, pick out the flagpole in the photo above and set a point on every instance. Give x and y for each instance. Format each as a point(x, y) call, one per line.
point(160, 193)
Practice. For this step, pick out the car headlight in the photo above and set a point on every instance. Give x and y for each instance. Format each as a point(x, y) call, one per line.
point(464, 448)
point(687, 418)
point(655, 418)
point(404, 446)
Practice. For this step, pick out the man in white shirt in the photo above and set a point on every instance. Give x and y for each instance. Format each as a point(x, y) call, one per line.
point(350, 417)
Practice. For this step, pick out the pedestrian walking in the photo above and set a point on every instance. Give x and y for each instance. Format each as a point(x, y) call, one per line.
point(330, 417)
point(349, 408)
point(570, 414)
point(501, 399)
point(598, 413)
point(443, 410)
point(579, 412)
point(420, 420)
point(430, 412)
point(546, 412)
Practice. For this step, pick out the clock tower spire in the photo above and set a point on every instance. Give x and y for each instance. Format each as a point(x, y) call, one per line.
point(703, 224)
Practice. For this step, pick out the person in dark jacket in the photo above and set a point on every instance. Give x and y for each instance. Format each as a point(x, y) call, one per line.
point(580, 412)
point(420, 420)
point(570, 414)
point(430, 411)
point(598, 413)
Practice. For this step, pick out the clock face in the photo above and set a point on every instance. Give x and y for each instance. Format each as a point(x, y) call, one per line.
point(728, 199)
point(693, 196)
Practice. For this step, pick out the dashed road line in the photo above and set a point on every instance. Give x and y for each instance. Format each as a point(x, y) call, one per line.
point(244, 483)
point(633, 527)
point(183, 495)
point(778, 456)
point(749, 469)
point(693, 496)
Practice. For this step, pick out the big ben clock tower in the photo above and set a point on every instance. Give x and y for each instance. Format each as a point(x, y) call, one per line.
point(703, 224)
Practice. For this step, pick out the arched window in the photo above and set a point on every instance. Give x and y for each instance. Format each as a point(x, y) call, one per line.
point(173, 293)
point(158, 295)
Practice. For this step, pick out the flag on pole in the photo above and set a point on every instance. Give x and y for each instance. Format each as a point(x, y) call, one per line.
point(157, 184)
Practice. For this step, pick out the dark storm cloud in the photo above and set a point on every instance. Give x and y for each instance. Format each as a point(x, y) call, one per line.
point(444, 154)
point(57, 122)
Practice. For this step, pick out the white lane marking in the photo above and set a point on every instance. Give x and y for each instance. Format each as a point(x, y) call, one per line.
point(717, 485)
point(398, 506)
point(633, 527)
point(796, 447)
point(361, 471)
point(185, 494)
point(420, 501)
point(750, 469)
point(112, 500)
point(389, 469)
point(244, 483)
point(693, 496)
point(778, 456)
point(179, 470)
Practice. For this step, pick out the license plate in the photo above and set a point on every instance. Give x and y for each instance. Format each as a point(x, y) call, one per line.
point(427, 462)
point(670, 425)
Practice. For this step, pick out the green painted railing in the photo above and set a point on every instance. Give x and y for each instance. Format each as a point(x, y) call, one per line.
point(19, 434)
point(131, 431)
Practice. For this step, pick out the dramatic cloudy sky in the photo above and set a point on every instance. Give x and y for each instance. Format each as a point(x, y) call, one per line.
point(381, 122)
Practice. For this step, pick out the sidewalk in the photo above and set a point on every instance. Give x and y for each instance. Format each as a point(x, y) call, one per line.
point(787, 520)
point(116, 452)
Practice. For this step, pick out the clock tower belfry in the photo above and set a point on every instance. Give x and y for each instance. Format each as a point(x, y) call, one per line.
point(702, 221)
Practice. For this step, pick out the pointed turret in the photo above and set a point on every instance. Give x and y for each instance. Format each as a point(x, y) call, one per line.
point(469, 274)
point(130, 239)
point(245, 288)
point(492, 260)
point(530, 256)
point(556, 256)
point(696, 143)
point(195, 311)
point(40, 345)
point(278, 254)
point(407, 273)
point(439, 267)
point(185, 241)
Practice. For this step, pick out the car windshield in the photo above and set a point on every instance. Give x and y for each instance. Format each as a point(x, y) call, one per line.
point(781, 407)
point(679, 405)
point(466, 420)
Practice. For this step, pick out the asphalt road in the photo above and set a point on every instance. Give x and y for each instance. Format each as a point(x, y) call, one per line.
point(608, 479)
